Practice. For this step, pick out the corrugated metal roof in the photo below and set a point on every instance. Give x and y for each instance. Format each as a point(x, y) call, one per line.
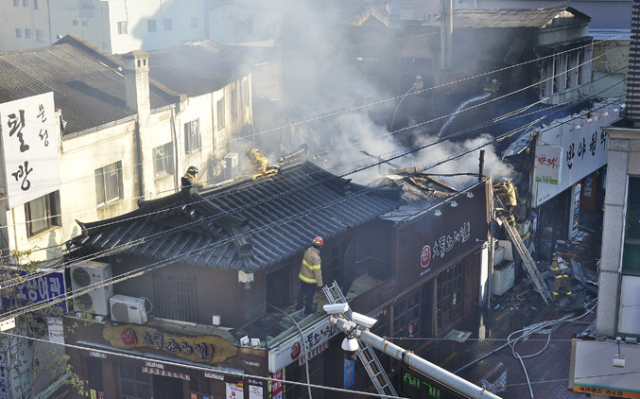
point(196, 68)
point(245, 226)
point(511, 17)
point(88, 93)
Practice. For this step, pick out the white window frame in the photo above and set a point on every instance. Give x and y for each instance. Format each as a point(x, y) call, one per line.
point(104, 186)
point(165, 154)
point(192, 136)
point(123, 28)
point(51, 215)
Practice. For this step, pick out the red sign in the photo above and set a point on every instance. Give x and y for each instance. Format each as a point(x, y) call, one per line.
point(295, 351)
point(276, 386)
point(129, 337)
point(425, 257)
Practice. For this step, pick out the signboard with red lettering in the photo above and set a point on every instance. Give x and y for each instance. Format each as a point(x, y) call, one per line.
point(276, 388)
point(548, 164)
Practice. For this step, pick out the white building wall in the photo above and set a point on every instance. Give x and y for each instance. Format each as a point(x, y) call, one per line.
point(23, 15)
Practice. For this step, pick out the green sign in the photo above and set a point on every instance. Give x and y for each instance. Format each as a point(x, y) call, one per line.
point(417, 386)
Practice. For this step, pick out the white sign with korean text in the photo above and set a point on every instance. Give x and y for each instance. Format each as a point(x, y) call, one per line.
point(30, 148)
point(548, 164)
point(585, 149)
point(290, 350)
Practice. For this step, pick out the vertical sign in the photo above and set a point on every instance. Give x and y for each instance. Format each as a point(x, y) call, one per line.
point(30, 148)
point(575, 212)
point(276, 389)
point(349, 373)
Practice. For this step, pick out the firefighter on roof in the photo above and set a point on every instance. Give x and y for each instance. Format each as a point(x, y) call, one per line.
point(310, 275)
point(258, 161)
point(507, 192)
point(560, 274)
point(190, 178)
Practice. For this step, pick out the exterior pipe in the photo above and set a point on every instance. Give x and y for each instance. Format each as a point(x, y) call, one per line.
point(412, 360)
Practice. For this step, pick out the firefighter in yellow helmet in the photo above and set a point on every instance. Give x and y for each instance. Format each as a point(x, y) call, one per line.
point(560, 274)
point(418, 85)
point(310, 275)
point(258, 161)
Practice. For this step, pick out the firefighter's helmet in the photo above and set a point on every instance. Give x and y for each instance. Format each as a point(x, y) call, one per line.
point(318, 241)
point(192, 170)
point(419, 77)
point(247, 151)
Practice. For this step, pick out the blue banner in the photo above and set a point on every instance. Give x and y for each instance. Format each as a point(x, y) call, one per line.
point(45, 288)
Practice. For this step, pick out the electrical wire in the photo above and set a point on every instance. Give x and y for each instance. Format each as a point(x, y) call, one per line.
point(199, 368)
point(128, 245)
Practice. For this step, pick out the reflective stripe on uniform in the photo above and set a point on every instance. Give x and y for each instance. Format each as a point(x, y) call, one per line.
point(555, 293)
point(307, 279)
point(314, 267)
point(564, 275)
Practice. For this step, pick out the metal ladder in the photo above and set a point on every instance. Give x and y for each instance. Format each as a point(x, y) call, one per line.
point(366, 354)
point(541, 286)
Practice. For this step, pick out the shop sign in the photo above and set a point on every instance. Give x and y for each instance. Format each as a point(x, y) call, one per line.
point(256, 391)
point(349, 373)
point(165, 373)
point(276, 388)
point(40, 289)
point(234, 391)
point(202, 349)
point(548, 164)
point(292, 349)
point(215, 376)
point(30, 148)
point(431, 242)
point(98, 354)
point(584, 150)
point(302, 359)
point(154, 364)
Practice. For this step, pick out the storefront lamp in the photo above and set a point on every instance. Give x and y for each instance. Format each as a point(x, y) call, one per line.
point(469, 194)
point(454, 204)
point(437, 212)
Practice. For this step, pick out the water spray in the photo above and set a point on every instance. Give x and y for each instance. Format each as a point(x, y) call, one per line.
point(457, 111)
point(396, 111)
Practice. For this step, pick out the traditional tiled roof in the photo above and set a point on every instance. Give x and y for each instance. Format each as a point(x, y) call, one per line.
point(246, 226)
point(515, 17)
point(89, 93)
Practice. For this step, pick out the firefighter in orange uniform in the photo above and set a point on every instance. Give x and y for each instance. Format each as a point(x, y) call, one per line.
point(258, 161)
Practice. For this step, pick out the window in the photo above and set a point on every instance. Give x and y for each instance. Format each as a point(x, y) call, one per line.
point(631, 254)
point(43, 213)
point(406, 316)
point(449, 295)
point(27, 33)
point(16, 3)
point(194, 22)
point(39, 35)
point(75, 22)
point(151, 25)
point(163, 157)
point(192, 136)
point(85, 23)
point(25, 3)
point(175, 297)
point(18, 32)
point(220, 105)
point(109, 183)
point(234, 102)
point(35, 4)
point(200, 386)
point(134, 384)
point(122, 28)
point(168, 24)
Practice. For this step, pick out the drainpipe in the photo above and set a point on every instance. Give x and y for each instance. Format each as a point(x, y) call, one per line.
point(174, 138)
point(446, 33)
point(491, 246)
point(633, 75)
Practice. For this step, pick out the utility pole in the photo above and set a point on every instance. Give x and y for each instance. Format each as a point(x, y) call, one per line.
point(356, 331)
point(446, 34)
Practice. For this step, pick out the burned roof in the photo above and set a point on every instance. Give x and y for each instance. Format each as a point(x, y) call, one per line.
point(89, 93)
point(196, 68)
point(539, 18)
point(242, 226)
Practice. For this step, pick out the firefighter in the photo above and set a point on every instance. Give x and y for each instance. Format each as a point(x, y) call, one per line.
point(560, 274)
point(507, 192)
point(418, 85)
point(310, 275)
point(258, 161)
point(492, 86)
point(189, 179)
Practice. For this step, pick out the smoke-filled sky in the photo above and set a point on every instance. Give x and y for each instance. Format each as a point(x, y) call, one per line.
point(327, 67)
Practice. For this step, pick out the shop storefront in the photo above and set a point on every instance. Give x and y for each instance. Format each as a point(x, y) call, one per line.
point(569, 178)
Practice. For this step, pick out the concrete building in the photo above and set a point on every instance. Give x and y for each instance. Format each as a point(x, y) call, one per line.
point(24, 24)
point(116, 136)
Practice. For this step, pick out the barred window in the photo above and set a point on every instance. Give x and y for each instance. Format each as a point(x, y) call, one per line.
point(175, 297)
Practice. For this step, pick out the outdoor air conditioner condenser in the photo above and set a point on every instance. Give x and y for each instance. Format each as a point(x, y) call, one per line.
point(85, 276)
point(126, 309)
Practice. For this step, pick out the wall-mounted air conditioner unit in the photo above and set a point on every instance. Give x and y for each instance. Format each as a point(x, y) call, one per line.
point(127, 309)
point(231, 169)
point(87, 274)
